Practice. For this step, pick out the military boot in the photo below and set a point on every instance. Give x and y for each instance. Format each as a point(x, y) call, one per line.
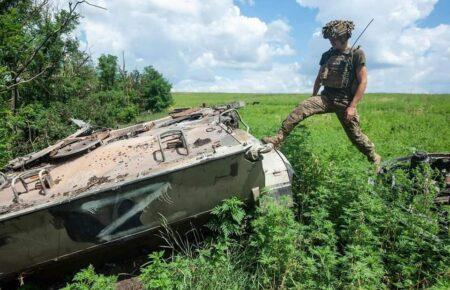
point(276, 140)
point(376, 159)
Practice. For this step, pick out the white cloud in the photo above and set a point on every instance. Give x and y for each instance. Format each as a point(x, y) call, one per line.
point(211, 46)
point(402, 57)
point(188, 40)
point(282, 78)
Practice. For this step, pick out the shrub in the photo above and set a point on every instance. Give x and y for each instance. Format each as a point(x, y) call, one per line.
point(199, 272)
point(159, 274)
point(274, 242)
point(217, 265)
point(228, 218)
point(5, 136)
point(87, 279)
point(105, 108)
point(155, 90)
point(362, 231)
point(35, 127)
point(414, 231)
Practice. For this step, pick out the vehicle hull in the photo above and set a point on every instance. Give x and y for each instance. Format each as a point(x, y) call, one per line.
point(123, 213)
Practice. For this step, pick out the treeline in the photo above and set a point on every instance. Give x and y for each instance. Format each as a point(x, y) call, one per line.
point(46, 79)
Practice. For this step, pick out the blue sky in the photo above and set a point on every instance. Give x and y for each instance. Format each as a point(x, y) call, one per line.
point(439, 15)
point(272, 46)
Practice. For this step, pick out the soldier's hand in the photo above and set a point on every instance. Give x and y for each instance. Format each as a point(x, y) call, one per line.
point(350, 112)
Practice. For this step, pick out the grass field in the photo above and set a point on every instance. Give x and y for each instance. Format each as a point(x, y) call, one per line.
point(343, 231)
point(397, 123)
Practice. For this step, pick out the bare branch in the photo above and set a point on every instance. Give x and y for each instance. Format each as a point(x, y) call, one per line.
point(94, 5)
point(24, 81)
point(72, 9)
point(36, 9)
point(84, 61)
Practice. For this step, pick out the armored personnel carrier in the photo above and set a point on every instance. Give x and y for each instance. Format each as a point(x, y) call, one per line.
point(97, 188)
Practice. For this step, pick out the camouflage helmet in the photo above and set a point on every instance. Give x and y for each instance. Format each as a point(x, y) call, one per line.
point(338, 28)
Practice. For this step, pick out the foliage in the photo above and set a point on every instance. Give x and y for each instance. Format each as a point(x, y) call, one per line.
point(214, 266)
point(273, 244)
point(34, 127)
point(377, 235)
point(35, 45)
point(199, 272)
point(415, 235)
point(228, 218)
point(87, 279)
point(162, 275)
point(155, 90)
point(105, 108)
point(107, 70)
point(45, 79)
point(5, 136)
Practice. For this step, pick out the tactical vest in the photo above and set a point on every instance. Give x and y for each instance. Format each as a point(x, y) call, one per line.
point(337, 70)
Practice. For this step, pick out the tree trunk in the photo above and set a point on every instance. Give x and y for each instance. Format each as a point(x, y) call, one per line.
point(14, 97)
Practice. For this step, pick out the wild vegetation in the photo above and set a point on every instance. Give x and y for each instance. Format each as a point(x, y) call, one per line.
point(348, 228)
point(46, 79)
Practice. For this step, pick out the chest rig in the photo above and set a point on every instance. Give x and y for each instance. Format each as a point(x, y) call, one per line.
point(337, 70)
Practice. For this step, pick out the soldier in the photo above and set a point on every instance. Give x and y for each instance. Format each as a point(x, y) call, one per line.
point(344, 76)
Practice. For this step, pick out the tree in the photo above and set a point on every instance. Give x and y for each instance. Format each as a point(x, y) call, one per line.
point(155, 90)
point(34, 44)
point(41, 68)
point(107, 71)
point(45, 79)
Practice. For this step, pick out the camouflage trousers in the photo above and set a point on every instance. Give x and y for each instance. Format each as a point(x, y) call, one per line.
point(321, 105)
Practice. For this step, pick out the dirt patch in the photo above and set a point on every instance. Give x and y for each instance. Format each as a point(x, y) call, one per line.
point(94, 180)
point(200, 142)
point(122, 176)
point(129, 284)
point(14, 207)
point(57, 180)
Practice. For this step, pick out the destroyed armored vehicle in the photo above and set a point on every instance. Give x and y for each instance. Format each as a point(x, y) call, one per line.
point(439, 162)
point(97, 188)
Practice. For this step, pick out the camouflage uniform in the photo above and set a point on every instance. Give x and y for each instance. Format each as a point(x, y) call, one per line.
point(337, 94)
point(321, 105)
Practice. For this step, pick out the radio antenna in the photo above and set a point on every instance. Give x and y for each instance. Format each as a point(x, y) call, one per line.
point(362, 33)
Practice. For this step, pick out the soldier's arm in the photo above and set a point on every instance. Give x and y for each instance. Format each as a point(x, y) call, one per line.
point(317, 82)
point(361, 75)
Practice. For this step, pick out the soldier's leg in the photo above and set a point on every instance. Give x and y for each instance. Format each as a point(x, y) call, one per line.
point(311, 106)
point(357, 137)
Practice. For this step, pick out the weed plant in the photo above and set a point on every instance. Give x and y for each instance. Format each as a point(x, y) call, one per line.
point(87, 279)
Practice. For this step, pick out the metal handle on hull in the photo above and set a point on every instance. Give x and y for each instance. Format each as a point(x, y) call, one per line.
point(170, 133)
point(44, 180)
point(13, 186)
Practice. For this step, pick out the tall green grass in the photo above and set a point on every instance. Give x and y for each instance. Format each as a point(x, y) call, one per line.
point(349, 228)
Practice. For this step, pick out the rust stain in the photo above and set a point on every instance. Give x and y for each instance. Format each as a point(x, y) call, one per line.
point(94, 180)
